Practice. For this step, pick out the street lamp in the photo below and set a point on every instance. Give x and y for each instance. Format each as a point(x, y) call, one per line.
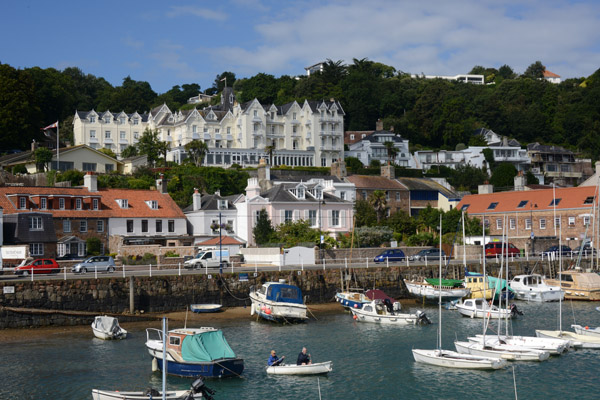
point(531, 206)
point(321, 201)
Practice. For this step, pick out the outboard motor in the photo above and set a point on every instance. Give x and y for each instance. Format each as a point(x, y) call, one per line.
point(199, 387)
point(151, 392)
point(388, 305)
point(514, 311)
point(422, 318)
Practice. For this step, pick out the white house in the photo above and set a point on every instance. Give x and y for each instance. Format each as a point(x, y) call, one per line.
point(373, 147)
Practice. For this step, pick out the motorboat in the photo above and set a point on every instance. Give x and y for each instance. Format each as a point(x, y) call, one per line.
point(353, 298)
point(193, 352)
point(206, 308)
point(504, 351)
point(553, 346)
point(533, 287)
point(479, 285)
point(576, 340)
point(107, 328)
point(197, 391)
point(278, 301)
point(385, 312)
point(305, 369)
point(431, 292)
point(502, 292)
point(480, 308)
point(577, 284)
point(586, 330)
point(453, 359)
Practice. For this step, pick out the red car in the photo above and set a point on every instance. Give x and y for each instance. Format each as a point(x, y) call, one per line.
point(494, 249)
point(38, 266)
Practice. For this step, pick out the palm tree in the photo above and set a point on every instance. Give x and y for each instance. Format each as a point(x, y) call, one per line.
point(269, 150)
point(197, 150)
point(392, 152)
point(378, 201)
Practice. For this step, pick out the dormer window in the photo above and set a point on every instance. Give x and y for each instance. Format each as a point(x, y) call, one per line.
point(318, 194)
point(153, 204)
point(122, 120)
point(107, 120)
point(294, 116)
point(256, 113)
point(22, 203)
point(123, 203)
point(300, 193)
point(92, 119)
point(222, 204)
point(136, 121)
point(43, 203)
point(95, 204)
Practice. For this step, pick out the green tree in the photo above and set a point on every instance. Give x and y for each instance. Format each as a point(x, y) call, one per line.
point(531, 179)
point(392, 152)
point(151, 145)
point(108, 152)
point(196, 150)
point(364, 214)
point(263, 230)
point(72, 175)
point(129, 151)
point(269, 150)
point(503, 176)
point(535, 70)
point(294, 233)
point(93, 246)
point(43, 156)
point(506, 72)
point(378, 201)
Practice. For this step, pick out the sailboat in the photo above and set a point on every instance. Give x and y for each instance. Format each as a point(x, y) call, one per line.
point(495, 347)
point(448, 358)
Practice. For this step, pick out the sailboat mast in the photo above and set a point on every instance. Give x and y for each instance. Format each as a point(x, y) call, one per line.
point(559, 268)
point(440, 292)
point(464, 245)
point(484, 275)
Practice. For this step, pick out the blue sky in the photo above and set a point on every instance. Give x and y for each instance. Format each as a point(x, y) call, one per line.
point(169, 43)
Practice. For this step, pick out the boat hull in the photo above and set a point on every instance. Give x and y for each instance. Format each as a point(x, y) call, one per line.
point(504, 352)
point(351, 300)
point(397, 319)
point(98, 394)
point(551, 345)
point(432, 294)
point(215, 369)
point(277, 311)
point(206, 308)
point(577, 341)
point(452, 359)
point(494, 314)
point(541, 296)
point(311, 369)
point(586, 331)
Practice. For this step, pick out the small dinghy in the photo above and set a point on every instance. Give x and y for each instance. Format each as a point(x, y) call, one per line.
point(206, 308)
point(307, 369)
point(108, 328)
point(197, 391)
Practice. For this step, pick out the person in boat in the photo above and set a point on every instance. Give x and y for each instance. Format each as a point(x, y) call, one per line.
point(303, 358)
point(274, 360)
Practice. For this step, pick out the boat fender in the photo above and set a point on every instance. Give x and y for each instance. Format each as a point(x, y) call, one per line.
point(252, 310)
point(355, 317)
point(154, 364)
point(356, 306)
point(268, 311)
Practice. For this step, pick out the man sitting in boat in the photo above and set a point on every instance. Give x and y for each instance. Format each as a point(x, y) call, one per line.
point(303, 358)
point(273, 360)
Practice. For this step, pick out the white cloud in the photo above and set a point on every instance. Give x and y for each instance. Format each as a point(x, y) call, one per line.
point(133, 43)
point(205, 13)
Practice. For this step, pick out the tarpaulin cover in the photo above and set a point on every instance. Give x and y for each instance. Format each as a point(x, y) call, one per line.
point(205, 347)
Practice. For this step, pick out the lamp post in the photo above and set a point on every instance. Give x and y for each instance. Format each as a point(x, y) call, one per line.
point(220, 248)
point(531, 206)
point(320, 200)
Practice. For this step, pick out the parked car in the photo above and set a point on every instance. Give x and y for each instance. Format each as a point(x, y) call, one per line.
point(38, 266)
point(95, 263)
point(429, 254)
point(494, 249)
point(586, 248)
point(390, 255)
point(208, 259)
point(555, 250)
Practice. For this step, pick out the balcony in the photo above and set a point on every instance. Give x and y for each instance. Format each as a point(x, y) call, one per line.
point(195, 136)
point(218, 136)
point(258, 133)
point(229, 137)
point(206, 136)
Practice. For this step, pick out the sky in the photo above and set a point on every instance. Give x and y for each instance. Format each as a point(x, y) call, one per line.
point(168, 43)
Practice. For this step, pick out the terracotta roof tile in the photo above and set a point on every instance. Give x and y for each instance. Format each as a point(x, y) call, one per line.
point(548, 74)
point(226, 240)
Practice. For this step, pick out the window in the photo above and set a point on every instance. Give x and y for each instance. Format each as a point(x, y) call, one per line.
point(106, 134)
point(323, 162)
point(465, 207)
point(35, 224)
point(255, 113)
point(159, 225)
point(22, 203)
point(129, 225)
point(109, 167)
point(523, 203)
point(557, 222)
point(43, 203)
point(214, 225)
point(586, 220)
point(136, 121)
point(300, 193)
point(542, 223)
point(312, 217)
point(397, 196)
point(61, 203)
point(67, 225)
point(89, 166)
point(229, 226)
point(364, 194)
point(95, 204)
point(335, 218)
point(387, 195)
point(555, 202)
point(352, 137)
point(528, 223)
point(144, 225)
point(123, 203)
point(171, 225)
point(153, 204)
point(288, 216)
point(512, 223)
point(122, 135)
point(121, 120)
point(92, 134)
point(136, 135)
point(492, 206)
point(343, 195)
point(92, 119)
point(293, 116)
point(36, 249)
point(83, 225)
point(107, 120)
point(589, 200)
point(498, 223)
point(100, 225)
point(571, 221)
point(222, 204)
point(78, 203)
point(318, 193)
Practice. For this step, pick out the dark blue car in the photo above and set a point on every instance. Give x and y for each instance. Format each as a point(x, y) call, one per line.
point(391, 255)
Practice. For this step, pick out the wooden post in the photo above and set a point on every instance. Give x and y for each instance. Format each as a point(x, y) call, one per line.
point(131, 296)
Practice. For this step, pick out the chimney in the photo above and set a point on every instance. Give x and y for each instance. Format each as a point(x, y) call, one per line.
point(520, 181)
point(196, 200)
point(338, 169)
point(161, 184)
point(388, 171)
point(34, 146)
point(264, 175)
point(392, 128)
point(486, 188)
point(598, 168)
point(253, 189)
point(90, 181)
point(379, 125)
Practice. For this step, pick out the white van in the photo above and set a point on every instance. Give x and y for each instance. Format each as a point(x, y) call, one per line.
point(208, 259)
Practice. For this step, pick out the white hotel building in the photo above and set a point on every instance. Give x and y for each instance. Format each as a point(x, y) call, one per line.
point(307, 134)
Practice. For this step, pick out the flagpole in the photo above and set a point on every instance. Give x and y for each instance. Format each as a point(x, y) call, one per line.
point(57, 149)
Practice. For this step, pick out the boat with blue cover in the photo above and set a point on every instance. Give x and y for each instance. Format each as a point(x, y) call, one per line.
point(278, 301)
point(193, 352)
point(353, 298)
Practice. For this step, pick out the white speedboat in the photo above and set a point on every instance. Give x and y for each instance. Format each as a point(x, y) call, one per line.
point(453, 359)
point(480, 308)
point(551, 345)
point(533, 287)
point(504, 351)
point(431, 293)
point(279, 302)
point(197, 391)
point(577, 341)
point(586, 330)
point(108, 328)
point(384, 312)
point(307, 369)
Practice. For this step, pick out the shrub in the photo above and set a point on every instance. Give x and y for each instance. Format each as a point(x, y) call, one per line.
point(171, 254)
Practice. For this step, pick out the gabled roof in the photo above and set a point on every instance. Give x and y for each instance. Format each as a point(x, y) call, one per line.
point(374, 182)
point(425, 184)
point(373, 137)
point(211, 202)
point(225, 240)
point(281, 193)
point(537, 200)
point(548, 74)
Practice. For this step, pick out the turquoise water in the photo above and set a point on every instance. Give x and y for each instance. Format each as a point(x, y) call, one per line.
point(369, 361)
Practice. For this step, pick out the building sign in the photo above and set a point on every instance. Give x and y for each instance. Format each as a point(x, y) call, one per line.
point(14, 252)
point(9, 289)
point(243, 277)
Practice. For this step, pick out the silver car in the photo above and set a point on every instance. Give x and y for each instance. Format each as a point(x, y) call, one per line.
point(95, 263)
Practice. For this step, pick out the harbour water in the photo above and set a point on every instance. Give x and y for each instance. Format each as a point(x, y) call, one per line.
point(369, 361)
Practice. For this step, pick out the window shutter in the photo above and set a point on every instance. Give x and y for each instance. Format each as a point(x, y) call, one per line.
point(282, 217)
point(343, 218)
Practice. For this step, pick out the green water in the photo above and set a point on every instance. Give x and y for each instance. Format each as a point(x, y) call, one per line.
point(369, 361)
